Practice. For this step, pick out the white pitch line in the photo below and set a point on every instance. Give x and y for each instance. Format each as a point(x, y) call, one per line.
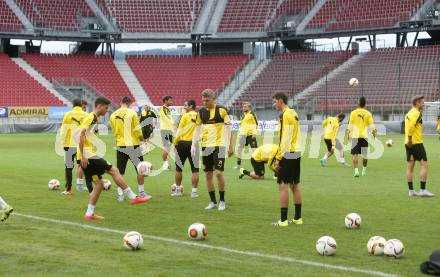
point(219, 248)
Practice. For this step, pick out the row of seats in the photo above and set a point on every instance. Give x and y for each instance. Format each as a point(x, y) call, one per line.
point(387, 77)
point(8, 20)
point(348, 15)
point(291, 73)
point(17, 88)
point(98, 72)
point(184, 77)
point(56, 14)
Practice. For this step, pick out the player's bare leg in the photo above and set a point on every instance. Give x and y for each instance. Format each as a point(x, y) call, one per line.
point(423, 178)
point(210, 184)
point(221, 189)
point(355, 165)
point(327, 155)
point(195, 183)
point(409, 178)
point(141, 185)
point(284, 204)
point(93, 199)
point(251, 174)
point(80, 179)
point(178, 179)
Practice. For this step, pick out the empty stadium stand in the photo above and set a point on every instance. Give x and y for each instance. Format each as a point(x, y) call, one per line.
point(389, 79)
point(56, 14)
point(154, 15)
point(293, 7)
point(99, 72)
point(349, 15)
point(291, 73)
point(9, 22)
point(184, 77)
point(19, 89)
point(247, 15)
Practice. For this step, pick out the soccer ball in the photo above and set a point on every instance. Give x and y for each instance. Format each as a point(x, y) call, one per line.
point(144, 168)
point(107, 184)
point(376, 245)
point(197, 231)
point(389, 142)
point(326, 246)
point(54, 184)
point(353, 220)
point(174, 187)
point(354, 82)
point(133, 241)
point(394, 248)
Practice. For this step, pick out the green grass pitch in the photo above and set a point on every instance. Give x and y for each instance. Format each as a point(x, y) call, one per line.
point(37, 248)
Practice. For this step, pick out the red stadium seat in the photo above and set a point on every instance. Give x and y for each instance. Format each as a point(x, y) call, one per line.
point(9, 22)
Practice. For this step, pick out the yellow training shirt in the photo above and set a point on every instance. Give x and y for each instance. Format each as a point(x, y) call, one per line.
point(266, 153)
point(90, 124)
point(360, 120)
point(125, 127)
point(289, 133)
point(331, 126)
point(413, 126)
point(438, 125)
point(249, 123)
point(166, 119)
point(70, 126)
point(213, 122)
point(185, 129)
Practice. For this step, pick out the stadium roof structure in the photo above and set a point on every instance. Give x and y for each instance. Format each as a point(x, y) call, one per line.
point(205, 21)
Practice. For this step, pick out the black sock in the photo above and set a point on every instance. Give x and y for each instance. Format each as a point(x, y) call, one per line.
point(212, 195)
point(410, 186)
point(297, 211)
point(89, 186)
point(422, 185)
point(222, 195)
point(69, 178)
point(245, 172)
point(284, 214)
point(238, 162)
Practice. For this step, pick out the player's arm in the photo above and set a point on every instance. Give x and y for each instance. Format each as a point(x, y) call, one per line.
point(82, 137)
point(63, 129)
point(136, 125)
point(412, 121)
point(228, 132)
point(182, 123)
point(349, 128)
point(196, 135)
point(112, 123)
point(256, 124)
point(372, 126)
point(324, 123)
point(286, 132)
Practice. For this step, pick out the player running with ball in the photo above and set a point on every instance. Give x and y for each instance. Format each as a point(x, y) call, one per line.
point(288, 159)
point(415, 151)
point(95, 166)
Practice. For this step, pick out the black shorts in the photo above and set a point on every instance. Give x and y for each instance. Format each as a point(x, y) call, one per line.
point(183, 152)
point(213, 158)
point(147, 131)
point(416, 153)
point(258, 167)
point(247, 141)
point(290, 169)
point(96, 168)
point(167, 138)
point(359, 146)
point(329, 144)
point(70, 157)
point(125, 153)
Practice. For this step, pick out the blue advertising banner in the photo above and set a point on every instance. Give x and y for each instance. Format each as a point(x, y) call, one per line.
point(57, 113)
point(3, 112)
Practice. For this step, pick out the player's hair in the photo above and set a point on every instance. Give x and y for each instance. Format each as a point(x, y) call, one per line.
point(76, 102)
point(362, 102)
point(166, 98)
point(417, 99)
point(126, 100)
point(341, 116)
point(191, 103)
point(282, 96)
point(102, 101)
point(84, 103)
point(208, 93)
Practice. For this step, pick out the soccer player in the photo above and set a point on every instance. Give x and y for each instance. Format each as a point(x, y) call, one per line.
point(288, 159)
point(182, 145)
point(248, 131)
point(70, 126)
point(5, 209)
point(128, 134)
point(148, 116)
point(331, 127)
point(360, 120)
point(438, 126)
point(415, 151)
point(95, 166)
point(264, 154)
point(166, 129)
point(216, 138)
